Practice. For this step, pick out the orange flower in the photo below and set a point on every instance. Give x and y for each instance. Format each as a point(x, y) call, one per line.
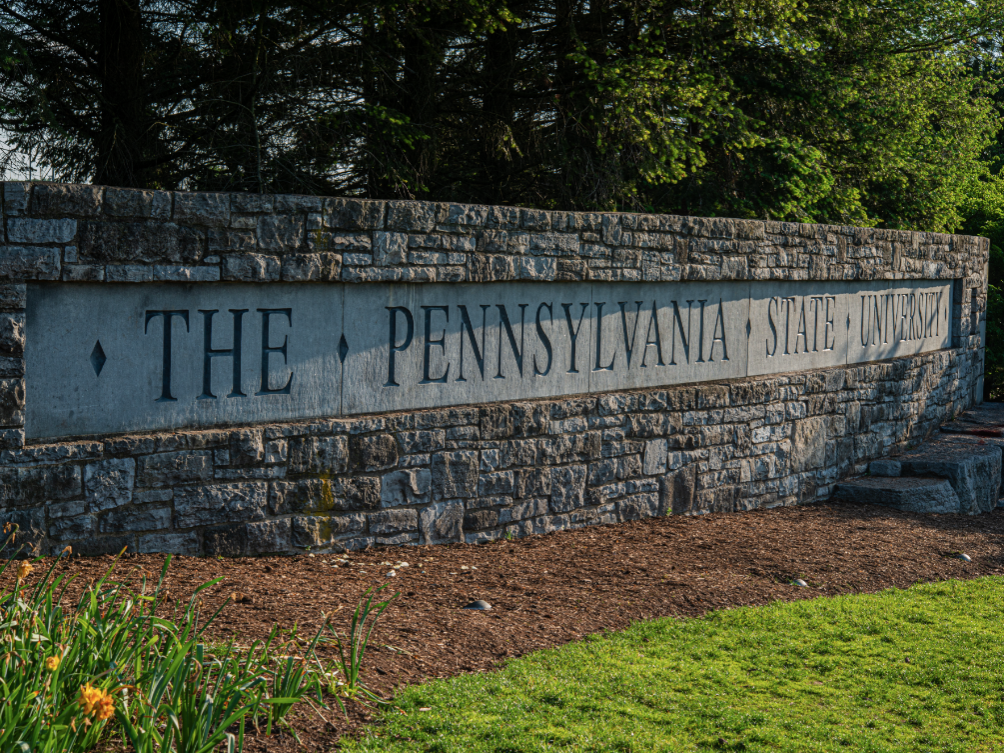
point(52, 663)
point(97, 702)
point(23, 570)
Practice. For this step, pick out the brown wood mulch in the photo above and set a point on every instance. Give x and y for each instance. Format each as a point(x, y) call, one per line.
point(549, 590)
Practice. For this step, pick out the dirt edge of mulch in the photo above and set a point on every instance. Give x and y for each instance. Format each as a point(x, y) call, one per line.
point(549, 590)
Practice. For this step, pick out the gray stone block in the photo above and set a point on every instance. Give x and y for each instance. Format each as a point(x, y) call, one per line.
point(53, 200)
point(12, 334)
point(136, 519)
point(146, 242)
point(455, 475)
point(389, 522)
point(323, 531)
point(913, 494)
point(206, 505)
point(30, 533)
point(40, 232)
point(885, 467)
point(568, 488)
point(173, 543)
point(323, 267)
point(390, 249)
point(202, 208)
point(185, 273)
point(280, 233)
point(109, 483)
point(974, 471)
point(29, 263)
point(171, 468)
point(251, 267)
point(37, 485)
point(409, 486)
point(442, 522)
point(318, 454)
point(132, 202)
point(373, 453)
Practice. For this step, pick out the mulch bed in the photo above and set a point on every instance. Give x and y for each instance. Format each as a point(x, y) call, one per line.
point(549, 590)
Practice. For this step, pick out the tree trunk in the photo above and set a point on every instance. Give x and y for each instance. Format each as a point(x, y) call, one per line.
point(121, 68)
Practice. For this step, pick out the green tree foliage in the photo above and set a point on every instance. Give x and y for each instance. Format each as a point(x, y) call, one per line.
point(864, 112)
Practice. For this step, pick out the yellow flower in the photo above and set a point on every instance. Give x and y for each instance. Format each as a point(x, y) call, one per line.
point(23, 570)
point(97, 702)
point(52, 663)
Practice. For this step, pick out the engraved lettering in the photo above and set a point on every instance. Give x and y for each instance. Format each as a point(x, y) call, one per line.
point(517, 353)
point(599, 341)
point(544, 339)
point(209, 353)
point(773, 302)
point(466, 327)
point(429, 342)
point(267, 350)
point(653, 324)
point(573, 332)
point(396, 348)
point(629, 343)
point(165, 389)
point(828, 328)
point(719, 321)
point(684, 337)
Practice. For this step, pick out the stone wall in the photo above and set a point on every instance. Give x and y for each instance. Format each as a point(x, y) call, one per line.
point(468, 473)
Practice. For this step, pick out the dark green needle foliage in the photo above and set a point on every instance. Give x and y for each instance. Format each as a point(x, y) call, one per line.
point(871, 112)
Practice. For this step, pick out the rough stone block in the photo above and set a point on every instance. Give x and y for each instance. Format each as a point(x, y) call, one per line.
point(53, 200)
point(109, 483)
point(320, 532)
point(390, 249)
point(29, 263)
point(132, 202)
point(31, 533)
point(318, 454)
point(974, 471)
point(455, 474)
point(147, 242)
point(389, 522)
point(442, 522)
point(206, 505)
point(568, 488)
point(12, 334)
point(251, 268)
point(311, 267)
point(173, 543)
point(913, 494)
point(280, 233)
point(40, 232)
point(171, 468)
point(212, 209)
point(409, 486)
point(136, 519)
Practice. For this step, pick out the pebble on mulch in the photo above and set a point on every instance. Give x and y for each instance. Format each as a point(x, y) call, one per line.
point(549, 590)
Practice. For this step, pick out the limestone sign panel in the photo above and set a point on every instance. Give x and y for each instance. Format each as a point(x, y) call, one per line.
point(104, 359)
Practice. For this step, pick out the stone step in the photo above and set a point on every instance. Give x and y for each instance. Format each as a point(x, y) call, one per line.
point(913, 494)
point(971, 466)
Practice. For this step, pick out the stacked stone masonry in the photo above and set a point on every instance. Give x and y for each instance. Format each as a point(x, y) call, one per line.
point(468, 473)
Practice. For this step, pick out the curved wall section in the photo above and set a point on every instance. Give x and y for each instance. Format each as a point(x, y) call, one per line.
point(239, 374)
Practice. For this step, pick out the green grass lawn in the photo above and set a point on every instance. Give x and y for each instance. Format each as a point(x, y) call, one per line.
point(914, 670)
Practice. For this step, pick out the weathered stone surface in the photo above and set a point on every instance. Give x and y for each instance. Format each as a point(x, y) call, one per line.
point(51, 200)
point(442, 522)
point(174, 543)
point(808, 444)
point(389, 522)
point(170, 468)
point(205, 505)
point(568, 486)
point(136, 519)
point(131, 202)
point(409, 486)
point(319, 532)
point(974, 471)
point(374, 453)
point(251, 267)
point(280, 233)
point(318, 454)
point(143, 242)
point(202, 208)
point(40, 232)
point(913, 494)
point(454, 474)
point(12, 334)
point(29, 263)
point(109, 483)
